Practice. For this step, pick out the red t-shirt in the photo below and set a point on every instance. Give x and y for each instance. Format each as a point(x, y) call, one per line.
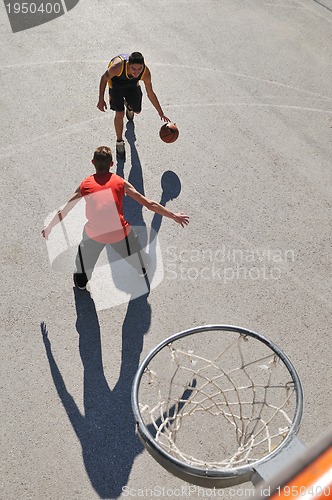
point(103, 193)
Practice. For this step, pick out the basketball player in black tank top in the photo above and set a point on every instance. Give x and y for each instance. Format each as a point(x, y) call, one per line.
point(123, 76)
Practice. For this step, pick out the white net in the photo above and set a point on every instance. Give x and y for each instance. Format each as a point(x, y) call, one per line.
point(217, 400)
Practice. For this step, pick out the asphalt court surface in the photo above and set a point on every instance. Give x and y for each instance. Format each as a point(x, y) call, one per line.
point(248, 83)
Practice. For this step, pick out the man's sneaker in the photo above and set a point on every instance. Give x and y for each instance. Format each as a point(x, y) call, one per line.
point(120, 149)
point(129, 113)
point(80, 280)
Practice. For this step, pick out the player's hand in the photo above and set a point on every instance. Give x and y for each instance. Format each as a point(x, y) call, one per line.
point(46, 232)
point(181, 219)
point(164, 118)
point(102, 105)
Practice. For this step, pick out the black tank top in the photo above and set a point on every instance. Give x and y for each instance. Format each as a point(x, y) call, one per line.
point(125, 80)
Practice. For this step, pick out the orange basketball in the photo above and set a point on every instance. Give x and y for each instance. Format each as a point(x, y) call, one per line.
point(169, 132)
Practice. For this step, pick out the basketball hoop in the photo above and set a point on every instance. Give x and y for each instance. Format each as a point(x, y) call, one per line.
point(215, 404)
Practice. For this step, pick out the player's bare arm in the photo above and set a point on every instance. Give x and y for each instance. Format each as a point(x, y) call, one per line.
point(180, 218)
point(152, 96)
point(114, 70)
point(61, 214)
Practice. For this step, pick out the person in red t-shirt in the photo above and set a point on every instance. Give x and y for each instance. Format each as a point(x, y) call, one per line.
point(103, 193)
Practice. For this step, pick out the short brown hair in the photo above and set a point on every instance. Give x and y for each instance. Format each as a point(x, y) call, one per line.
point(102, 158)
point(136, 58)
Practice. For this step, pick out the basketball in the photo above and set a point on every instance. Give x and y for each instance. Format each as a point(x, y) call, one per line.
point(169, 132)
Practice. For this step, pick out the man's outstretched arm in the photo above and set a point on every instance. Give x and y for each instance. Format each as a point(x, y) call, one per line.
point(180, 218)
point(152, 96)
point(61, 214)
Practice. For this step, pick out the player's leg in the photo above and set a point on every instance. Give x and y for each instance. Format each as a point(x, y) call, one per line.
point(87, 255)
point(129, 112)
point(131, 249)
point(117, 105)
point(118, 124)
point(133, 102)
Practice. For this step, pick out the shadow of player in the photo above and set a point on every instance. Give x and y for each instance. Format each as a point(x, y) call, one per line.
point(106, 428)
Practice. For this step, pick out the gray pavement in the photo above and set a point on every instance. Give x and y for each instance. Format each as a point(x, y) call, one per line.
point(249, 85)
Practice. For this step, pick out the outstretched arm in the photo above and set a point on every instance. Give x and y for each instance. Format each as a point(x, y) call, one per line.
point(180, 218)
point(61, 214)
point(152, 96)
point(76, 418)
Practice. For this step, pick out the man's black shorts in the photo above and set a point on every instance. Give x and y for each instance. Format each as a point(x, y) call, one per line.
point(132, 94)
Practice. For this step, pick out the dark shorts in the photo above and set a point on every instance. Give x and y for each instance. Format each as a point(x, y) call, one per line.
point(132, 94)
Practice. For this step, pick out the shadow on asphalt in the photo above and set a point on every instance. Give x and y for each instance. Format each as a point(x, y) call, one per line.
point(106, 430)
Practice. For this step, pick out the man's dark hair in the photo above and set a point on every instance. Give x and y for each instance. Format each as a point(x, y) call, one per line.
point(102, 159)
point(136, 58)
